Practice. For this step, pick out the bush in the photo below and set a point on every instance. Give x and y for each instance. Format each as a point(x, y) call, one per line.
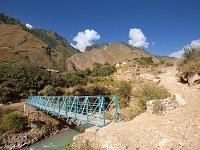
point(191, 61)
point(13, 123)
point(124, 94)
point(8, 20)
point(149, 91)
point(144, 92)
point(48, 90)
point(73, 79)
point(132, 110)
point(158, 107)
point(18, 80)
point(102, 70)
point(146, 61)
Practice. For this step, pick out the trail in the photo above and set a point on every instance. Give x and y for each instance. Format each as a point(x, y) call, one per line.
point(177, 129)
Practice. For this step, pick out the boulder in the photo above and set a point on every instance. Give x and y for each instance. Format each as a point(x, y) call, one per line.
point(180, 100)
point(149, 77)
point(192, 79)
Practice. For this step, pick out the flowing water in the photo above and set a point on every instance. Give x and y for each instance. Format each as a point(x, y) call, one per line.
point(57, 142)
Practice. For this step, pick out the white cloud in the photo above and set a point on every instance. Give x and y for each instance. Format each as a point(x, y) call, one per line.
point(137, 38)
point(179, 54)
point(29, 26)
point(195, 43)
point(85, 38)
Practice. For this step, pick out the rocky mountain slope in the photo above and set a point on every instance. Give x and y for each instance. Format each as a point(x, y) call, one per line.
point(43, 48)
point(46, 49)
point(112, 53)
point(177, 129)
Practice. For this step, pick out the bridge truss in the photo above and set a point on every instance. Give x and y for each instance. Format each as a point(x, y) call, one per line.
point(95, 110)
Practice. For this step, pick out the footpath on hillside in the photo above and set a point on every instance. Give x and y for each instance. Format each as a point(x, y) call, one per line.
point(177, 129)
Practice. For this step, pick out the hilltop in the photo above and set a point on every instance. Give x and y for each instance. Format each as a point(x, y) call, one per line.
point(42, 48)
point(111, 53)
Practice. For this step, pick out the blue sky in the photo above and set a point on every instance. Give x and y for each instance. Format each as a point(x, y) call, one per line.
point(170, 24)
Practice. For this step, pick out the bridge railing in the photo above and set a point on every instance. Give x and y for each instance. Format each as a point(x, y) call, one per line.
point(95, 110)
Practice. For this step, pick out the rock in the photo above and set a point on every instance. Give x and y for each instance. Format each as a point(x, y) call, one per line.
point(193, 78)
point(161, 105)
point(157, 81)
point(163, 142)
point(180, 100)
point(149, 77)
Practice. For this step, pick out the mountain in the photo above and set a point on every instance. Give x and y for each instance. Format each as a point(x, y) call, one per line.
point(112, 53)
point(46, 49)
point(43, 48)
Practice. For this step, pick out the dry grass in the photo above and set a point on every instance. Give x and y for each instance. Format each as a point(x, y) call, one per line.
point(142, 93)
point(19, 46)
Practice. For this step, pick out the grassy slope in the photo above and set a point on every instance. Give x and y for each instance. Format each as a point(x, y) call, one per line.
point(42, 48)
point(17, 45)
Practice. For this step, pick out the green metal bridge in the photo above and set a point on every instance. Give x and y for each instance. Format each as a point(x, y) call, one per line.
point(96, 110)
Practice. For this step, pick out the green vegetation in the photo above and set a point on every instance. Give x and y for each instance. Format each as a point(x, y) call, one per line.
point(191, 61)
point(148, 91)
point(8, 20)
point(54, 41)
point(158, 107)
point(102, 70)
point(146, 61)
point(123, 93)
point(12, 122)
point(144, 92)
point(19, 81)
point(48, 90)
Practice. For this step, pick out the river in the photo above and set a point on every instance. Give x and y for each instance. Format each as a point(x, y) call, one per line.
point(57, 142)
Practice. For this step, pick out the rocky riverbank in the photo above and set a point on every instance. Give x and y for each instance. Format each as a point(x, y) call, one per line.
point(38, 126)
point(29, 137)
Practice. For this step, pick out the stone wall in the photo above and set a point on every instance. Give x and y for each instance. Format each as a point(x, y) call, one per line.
point(161, 105)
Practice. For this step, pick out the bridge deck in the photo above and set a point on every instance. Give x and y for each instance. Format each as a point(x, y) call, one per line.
point(81, 109)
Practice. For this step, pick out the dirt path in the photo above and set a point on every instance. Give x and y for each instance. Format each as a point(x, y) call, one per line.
point(178, 129)
point(19, 105)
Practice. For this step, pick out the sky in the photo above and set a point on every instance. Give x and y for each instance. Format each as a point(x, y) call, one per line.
point(159, 26)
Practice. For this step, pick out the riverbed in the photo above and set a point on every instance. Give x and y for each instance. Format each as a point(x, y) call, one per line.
point(57, 142)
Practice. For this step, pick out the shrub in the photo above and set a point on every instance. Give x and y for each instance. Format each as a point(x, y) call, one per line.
point(132, 110)
point(102, 70)
point(149, 91)
point(158, 107)
point(48, 90)
point(191, 61)
point(144, 92)
point(18, 80)
point(124, 94)
point(146, 61)
point(73, 79)
point(13, 123)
